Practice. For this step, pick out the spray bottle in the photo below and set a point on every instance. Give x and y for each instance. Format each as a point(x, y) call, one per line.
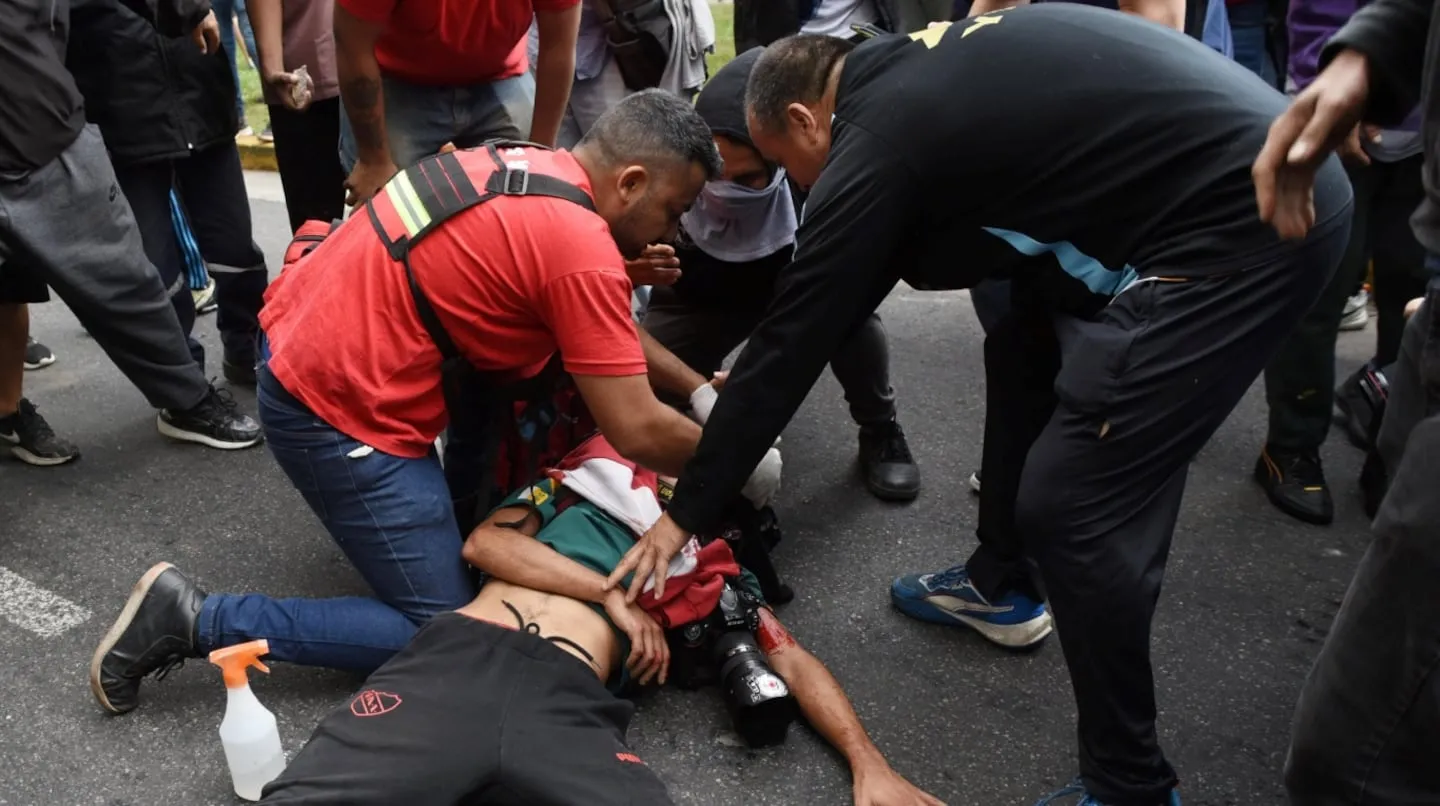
point(248, 732)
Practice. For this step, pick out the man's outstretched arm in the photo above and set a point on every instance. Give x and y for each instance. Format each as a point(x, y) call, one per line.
point(829, 712)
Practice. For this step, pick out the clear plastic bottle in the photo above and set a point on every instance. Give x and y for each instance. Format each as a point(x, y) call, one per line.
point(248, 733)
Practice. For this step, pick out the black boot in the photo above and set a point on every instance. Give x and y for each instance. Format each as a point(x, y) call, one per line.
point(155, 633)
point(1295, 483)
point(890, 471)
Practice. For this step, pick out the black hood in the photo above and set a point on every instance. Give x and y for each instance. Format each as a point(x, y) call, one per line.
point(722, 102)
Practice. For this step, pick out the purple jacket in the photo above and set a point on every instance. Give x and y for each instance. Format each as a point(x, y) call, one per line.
point(1311, 23)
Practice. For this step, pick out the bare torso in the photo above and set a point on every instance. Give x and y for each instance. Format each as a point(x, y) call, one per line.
point(552, 617)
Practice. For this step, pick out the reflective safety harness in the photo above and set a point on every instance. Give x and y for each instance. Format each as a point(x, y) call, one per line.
point(429, 193)
point(424, 196)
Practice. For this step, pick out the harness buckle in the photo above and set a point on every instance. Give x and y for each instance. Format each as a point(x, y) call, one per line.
point(517, 179)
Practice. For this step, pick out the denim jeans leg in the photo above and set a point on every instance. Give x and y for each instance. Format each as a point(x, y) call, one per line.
point(393, 519)
point(418, 120)
point(224, 16)
point(497, 109)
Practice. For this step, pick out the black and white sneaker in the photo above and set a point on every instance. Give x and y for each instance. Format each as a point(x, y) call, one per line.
point(32, 441)
point(37, 355)
point(214, 423)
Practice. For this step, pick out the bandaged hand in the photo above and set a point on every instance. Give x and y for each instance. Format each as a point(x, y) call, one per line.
point(764, 482)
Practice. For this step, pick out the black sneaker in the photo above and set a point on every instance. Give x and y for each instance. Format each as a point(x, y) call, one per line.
point(240, 372)
point(214, 422)
point(1295, 483)
point(890, 471)
point(1361, 399)
point(154, 634)
point(37, 355)
point(32, 441)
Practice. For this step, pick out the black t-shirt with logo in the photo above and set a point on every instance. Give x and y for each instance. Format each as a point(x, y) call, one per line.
point(1067, 147)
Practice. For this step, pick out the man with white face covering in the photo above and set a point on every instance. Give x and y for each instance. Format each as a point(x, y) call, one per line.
point(733, 243)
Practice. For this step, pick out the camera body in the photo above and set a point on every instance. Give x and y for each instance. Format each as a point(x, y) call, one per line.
point(722, 649)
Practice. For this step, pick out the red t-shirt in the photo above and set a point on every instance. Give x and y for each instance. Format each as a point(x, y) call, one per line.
point(452, 42)
point(512, 280)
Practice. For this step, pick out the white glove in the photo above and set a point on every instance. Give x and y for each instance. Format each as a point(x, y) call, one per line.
point(702, 400)
point(764, 483)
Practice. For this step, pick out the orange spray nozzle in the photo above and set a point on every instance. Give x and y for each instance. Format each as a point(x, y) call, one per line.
point(234, 661)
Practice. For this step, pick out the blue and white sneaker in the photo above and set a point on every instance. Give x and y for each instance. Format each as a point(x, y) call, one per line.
point(1015, 621)
point(1076, 788)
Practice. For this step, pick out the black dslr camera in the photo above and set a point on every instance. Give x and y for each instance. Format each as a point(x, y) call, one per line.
point(722, 649)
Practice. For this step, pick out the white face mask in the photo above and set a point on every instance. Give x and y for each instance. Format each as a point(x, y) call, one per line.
point(737, 224)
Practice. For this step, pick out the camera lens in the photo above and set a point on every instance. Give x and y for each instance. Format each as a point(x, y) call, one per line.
point(760, 703)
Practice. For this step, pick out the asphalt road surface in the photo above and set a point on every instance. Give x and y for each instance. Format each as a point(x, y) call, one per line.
point(1248, 598)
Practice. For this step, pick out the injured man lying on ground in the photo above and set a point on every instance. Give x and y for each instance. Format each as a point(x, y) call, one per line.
point(512, 698)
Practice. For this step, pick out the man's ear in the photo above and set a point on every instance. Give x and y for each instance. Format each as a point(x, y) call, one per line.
point(801, 119)
point(632, 182)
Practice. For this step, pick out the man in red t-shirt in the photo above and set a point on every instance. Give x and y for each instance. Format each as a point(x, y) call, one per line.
point(350, 394)
point(418, 74)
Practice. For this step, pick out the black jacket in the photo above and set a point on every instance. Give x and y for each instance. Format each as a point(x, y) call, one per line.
point(1401, 40)
point(146, 84)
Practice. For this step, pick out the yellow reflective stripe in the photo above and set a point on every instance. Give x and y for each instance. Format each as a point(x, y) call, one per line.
point(402, 208)
point(407, 204)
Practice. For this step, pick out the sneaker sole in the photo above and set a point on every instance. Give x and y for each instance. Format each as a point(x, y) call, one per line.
point(200, 439)
point(1014, 637)
point(41, 461)
point(1357, 322)
point(41, 364)
point(892, 494)
point(975, 483)
point(127, 615)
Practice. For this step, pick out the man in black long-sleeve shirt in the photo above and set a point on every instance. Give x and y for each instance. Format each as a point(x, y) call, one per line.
point(1102, 163)
point(1368, 720)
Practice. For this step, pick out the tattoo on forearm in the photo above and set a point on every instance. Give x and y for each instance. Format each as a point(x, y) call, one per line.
point(367, 119)
point(772, 635)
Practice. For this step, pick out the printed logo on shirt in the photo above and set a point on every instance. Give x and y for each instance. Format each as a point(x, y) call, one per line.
point(374, 703)
point(628, 758)
point(537, 494)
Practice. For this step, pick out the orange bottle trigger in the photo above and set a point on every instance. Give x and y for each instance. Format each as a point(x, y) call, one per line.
point(235, 661)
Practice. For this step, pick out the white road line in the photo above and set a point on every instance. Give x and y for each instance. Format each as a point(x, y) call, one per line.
point(31, 607)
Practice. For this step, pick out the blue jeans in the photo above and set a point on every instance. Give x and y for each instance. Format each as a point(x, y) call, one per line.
point(224, 11)
point(390, 515)
point(1252, 40)
point(419, 119)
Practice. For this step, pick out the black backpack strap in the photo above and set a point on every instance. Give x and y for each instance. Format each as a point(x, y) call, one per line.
point(510, 179)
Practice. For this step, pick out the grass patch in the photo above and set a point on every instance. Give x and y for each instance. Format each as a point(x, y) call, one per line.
point(257, 116)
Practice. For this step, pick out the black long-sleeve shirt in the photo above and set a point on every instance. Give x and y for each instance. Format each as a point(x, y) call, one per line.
point(1401, 41)
point(1067, 147)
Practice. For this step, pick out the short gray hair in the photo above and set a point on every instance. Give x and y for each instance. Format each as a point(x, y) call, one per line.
point(791, 70)
point(654, 126)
